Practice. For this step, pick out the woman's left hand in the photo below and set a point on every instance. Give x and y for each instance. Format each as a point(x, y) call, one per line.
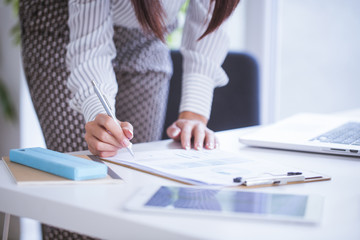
point(192, 126)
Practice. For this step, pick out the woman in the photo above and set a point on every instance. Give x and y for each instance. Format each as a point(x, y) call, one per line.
point(120, 45)
point(141, 66)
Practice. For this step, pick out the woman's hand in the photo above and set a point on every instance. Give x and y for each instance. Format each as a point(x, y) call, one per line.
point(104, 137)
point(192, 126)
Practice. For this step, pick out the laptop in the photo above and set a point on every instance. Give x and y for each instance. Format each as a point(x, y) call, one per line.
point(311, 133)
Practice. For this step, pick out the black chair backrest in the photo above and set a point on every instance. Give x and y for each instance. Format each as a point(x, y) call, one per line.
point(235, 105)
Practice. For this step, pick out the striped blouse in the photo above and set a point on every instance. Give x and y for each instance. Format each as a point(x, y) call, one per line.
point(91, 50)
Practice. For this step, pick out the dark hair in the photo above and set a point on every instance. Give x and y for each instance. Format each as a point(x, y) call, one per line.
point(150, 14)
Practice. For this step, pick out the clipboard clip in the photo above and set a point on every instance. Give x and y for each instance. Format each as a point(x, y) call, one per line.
point(273, 180)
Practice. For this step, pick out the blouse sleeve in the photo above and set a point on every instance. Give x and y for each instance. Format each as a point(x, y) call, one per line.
point(89, 55)
point(202, 70)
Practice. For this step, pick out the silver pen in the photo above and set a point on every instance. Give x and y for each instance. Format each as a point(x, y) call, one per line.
point(275, 180)
point(109, 112)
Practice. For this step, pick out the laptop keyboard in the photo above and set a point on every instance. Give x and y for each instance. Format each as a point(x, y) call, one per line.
point(348, 133)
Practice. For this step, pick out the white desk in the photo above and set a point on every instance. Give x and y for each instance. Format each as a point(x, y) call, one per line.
point(97, 209)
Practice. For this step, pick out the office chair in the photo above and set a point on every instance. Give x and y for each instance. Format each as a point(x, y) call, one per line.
point(235, 105)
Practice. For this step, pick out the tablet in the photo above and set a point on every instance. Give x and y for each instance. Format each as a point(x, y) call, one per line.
point(207, 202)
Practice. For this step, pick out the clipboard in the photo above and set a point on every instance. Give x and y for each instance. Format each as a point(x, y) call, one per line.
point(264, 178)
point(24, 175)
point(244, 186)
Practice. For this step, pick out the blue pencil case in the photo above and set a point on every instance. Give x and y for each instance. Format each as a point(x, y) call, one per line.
point(57, 163)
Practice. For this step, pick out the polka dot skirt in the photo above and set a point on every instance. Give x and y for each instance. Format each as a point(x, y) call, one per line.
point(44, 36)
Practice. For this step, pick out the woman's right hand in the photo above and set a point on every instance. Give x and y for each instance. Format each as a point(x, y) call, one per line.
point(105, 138)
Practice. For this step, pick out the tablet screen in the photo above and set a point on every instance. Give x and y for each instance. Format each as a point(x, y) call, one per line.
point(229, 201)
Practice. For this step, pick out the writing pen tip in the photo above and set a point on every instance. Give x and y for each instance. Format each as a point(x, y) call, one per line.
point(131, 152)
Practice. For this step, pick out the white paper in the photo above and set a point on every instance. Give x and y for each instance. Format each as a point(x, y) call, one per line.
point(205, 167)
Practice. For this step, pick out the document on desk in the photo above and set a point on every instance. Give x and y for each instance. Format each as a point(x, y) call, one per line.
point(206, 167)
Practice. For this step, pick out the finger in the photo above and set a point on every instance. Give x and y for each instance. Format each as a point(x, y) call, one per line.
point(110, 125)
point(99, 146)
point(101, 154)
point(210, 140)
point(199, 136)
point(107, 154)
point(217, 143)
point(174, 132)
point(92, 150)
point(186, 134)
point(127, 129)
point(95, 132)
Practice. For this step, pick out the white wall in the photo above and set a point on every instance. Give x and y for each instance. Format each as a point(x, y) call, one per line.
point(30, 131)
point(236, 25)
point(261, 40)
point(320, 56)
point(308, 52)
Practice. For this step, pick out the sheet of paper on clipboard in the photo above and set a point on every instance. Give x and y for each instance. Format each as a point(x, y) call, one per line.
point(214, 167)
